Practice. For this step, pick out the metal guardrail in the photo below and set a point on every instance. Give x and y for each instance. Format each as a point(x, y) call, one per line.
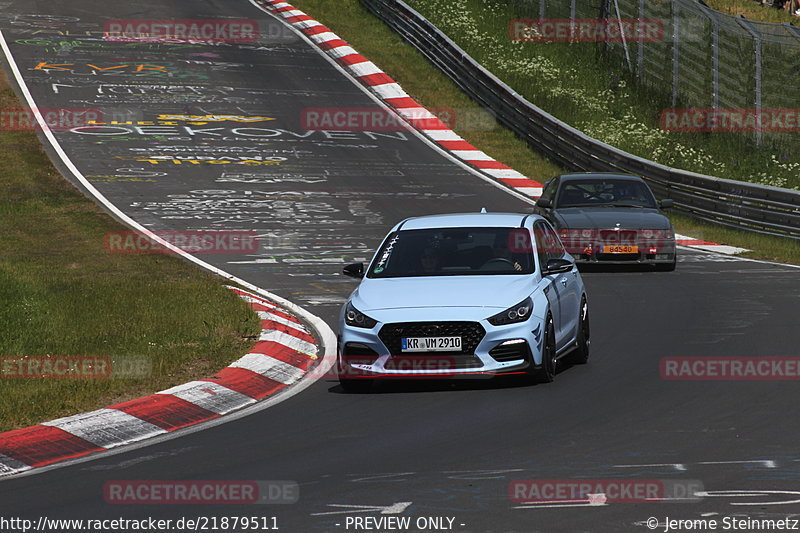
point(743, 205)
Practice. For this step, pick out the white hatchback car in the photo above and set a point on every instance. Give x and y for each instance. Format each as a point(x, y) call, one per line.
point(461, 295)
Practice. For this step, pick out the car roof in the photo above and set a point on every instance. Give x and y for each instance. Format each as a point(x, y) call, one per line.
point(600, 175)
point(465, 220)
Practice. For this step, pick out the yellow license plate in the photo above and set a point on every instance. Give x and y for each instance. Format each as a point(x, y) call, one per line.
point(621, 249)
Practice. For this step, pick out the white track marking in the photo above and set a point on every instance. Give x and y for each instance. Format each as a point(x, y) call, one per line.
point(210, 396)
point(289, 341)
point(107, 428)
point(270, 367)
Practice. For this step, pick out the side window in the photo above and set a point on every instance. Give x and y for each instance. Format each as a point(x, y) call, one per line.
point(540, 234)
point(555, 250)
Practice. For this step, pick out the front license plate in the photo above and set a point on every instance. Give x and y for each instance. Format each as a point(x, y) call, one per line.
point(431, 344)
point(621, 249)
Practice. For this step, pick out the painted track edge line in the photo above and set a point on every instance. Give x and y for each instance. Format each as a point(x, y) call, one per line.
point(326, 336)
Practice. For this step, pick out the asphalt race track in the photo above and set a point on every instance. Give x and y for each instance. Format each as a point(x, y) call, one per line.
point(323, 199)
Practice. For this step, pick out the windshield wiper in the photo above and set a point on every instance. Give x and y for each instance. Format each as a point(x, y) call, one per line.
point(624, 205)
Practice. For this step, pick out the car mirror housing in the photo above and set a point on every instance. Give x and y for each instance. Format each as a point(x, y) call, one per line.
point(666, 203)
point(557, 266)
point(544, 202)
point(355, 270)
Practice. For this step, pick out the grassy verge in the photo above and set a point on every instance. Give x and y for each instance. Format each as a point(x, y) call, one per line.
point(63, 295)
point(753, 10)
point(433, 89)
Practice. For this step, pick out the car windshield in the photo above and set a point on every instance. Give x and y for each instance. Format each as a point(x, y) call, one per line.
point(605, 192)
point(454, 252)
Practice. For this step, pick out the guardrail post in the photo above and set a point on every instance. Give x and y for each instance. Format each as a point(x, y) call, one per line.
point(572, 15)
point(757, 53)
point(676, 52)
point(714, 54)
point(640, 51)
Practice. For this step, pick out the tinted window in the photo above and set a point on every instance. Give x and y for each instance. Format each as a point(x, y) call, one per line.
point(454, 252)
point(548, 245)
point(612, 192)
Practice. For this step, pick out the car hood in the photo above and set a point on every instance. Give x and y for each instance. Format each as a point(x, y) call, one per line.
point(609, 217)
point(500, 291)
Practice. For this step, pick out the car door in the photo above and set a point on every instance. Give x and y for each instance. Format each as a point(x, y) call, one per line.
point(566, 287)
point(550, 288)
point(571, 290)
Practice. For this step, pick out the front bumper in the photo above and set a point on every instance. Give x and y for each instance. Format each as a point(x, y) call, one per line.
point(487, 350)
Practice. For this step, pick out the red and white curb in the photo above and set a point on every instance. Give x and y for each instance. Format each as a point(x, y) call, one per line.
point(390, 92)
point(699, 244)
point(284, 353)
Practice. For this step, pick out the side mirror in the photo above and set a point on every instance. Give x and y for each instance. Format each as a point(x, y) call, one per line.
point(355, 270)
point(544, 202)
point(666, 203)
point(557, 266)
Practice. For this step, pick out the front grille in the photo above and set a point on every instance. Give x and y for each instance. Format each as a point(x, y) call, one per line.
point(614, 237)
point(510, 352)
point(471, 334)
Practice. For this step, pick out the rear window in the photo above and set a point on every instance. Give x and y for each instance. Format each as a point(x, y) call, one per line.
point(454, 252)
point(618, 193)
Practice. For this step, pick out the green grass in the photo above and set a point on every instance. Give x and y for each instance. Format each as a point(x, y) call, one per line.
point(754, 11)
point(429, 86)
point(62, 295)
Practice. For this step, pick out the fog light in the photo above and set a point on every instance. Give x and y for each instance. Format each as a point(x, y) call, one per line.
point(513, 341)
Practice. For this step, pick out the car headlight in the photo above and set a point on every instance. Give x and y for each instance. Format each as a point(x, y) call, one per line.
point(517, 313)
point(354, 317)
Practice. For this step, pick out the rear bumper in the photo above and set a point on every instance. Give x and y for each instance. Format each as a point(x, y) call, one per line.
point(663, 253)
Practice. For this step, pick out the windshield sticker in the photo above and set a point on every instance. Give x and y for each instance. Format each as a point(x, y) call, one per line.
point(381, 264)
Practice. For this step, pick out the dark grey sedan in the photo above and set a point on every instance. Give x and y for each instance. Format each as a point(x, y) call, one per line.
point(609, 218)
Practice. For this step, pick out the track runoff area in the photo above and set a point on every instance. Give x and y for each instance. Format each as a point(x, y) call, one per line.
point(210, 136)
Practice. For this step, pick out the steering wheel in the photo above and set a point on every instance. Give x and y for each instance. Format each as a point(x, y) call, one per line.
point(497, 261)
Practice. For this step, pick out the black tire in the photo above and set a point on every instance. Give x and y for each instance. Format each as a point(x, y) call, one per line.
point(356, 385)
point(580, 355)
point(546, 373)
point(667, 267)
